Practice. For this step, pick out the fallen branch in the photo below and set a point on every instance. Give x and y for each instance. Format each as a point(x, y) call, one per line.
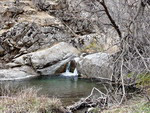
point(90, 101)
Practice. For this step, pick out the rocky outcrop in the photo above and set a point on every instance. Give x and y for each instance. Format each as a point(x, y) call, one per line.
point(24, 29)
point(27, 37)
point(18, 73)
point(50, 60)
point(95, 43)
point(30, 28)
point(95, 66)
point(30, 25)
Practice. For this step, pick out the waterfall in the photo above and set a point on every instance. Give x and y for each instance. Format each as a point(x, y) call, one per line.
point(68, 67)
point(75, 71)
point(68, 73)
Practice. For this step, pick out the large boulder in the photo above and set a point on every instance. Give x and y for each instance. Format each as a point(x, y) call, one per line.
point(23, 72)
point(95, 66)
point(50, 60)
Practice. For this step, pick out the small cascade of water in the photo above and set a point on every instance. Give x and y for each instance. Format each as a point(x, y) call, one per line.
point(75, 71)
point(68, 73)
point(68, 67)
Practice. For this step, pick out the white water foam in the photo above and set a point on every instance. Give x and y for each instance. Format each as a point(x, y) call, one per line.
point(68, 73)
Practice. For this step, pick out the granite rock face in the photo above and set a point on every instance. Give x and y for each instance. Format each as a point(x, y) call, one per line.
point(94, 43)
point(24, 29)
point(17, 73)
point(50, 60)
point(95, 66)
point(27, 37)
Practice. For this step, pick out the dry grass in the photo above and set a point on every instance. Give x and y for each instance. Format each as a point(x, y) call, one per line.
point(135, 105)
point(27, 101)
point(137, 108)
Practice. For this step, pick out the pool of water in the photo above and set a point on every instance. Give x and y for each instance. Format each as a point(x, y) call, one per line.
point(68, 89)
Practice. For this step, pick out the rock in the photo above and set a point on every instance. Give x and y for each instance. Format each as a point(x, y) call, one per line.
point(44, 5)
point(12, 12)
point(56, 68)
point(80, 23)
point(1, 51)
point(95, 42)
point(1, 65)
point(95, 66)
point(18, 73)
point(48, 61)
point(40, 18)
point(12, 65)
point(9, 13)
point(30, 37)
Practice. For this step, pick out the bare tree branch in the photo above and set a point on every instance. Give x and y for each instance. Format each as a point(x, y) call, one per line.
point(110, 18)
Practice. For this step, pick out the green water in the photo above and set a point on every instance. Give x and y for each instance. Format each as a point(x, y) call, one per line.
point(68, 89)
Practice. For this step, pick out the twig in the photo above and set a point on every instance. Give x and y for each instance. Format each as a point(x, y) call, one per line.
point(122, 80)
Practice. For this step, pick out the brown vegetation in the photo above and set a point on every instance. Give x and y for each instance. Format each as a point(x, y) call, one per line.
point(27, 101)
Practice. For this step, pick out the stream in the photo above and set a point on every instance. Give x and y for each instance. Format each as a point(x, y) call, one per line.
point(68, 89)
